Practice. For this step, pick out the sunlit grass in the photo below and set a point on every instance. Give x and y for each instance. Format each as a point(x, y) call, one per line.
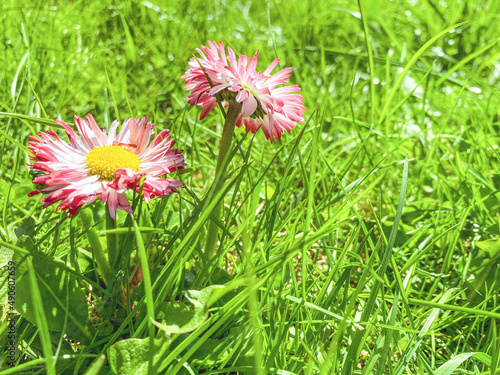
point(406, 134)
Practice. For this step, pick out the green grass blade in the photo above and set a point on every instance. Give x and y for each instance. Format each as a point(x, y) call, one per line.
point(410, 63)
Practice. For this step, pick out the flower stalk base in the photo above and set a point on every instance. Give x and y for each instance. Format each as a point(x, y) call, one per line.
point(96, 245)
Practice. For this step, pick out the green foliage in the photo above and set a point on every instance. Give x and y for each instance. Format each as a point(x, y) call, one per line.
point(365, 242)
point(63, 300)
point(130, 356)
point(451, 365)
point(180, 318)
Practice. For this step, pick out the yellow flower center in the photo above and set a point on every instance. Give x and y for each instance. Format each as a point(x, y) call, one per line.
point(105, 160)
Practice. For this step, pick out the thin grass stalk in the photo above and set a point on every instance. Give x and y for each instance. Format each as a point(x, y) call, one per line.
point(148, 291)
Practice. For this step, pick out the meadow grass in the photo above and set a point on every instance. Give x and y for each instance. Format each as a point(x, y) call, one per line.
point(364, 242)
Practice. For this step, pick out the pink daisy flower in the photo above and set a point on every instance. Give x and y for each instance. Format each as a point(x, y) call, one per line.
point(263, 104)
point(95, 164)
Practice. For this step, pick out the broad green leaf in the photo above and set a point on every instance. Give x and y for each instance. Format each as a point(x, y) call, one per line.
point(60, 294)
point(19, 195)
point(130, 356)
point(205, 297)
point(5, 271)
point(180, 318)
point(21, 236)
point(491, 247)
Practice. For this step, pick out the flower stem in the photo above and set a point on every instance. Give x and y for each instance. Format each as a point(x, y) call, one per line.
point(233, 113)
point(111, 239)
point(95, 244)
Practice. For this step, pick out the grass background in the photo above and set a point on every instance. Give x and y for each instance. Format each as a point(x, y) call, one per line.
point(340, 289)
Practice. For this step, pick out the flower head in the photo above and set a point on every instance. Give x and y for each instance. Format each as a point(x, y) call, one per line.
point(95, 164)
point(264, 105)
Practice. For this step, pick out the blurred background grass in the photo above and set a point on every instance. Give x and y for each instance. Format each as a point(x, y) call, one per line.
point(121, 59)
